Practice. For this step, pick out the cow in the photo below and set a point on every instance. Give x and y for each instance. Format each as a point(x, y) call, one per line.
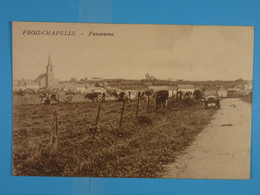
point(188, 94)
point(145, 94)
point(114, 94)
point(47, 99)
point(94, 96)
point(103, 96)
point(179, 95)
point(161, 98)
point(123, 96)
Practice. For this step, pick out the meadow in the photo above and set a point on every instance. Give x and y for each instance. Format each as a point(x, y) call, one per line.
point(139, 148)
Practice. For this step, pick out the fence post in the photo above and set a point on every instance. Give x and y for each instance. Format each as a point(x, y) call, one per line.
point(54, 138)
point(121, 118)
point(56, 123)
point(148, 104)
point(137, 106)
point(96, 124)
point(177, 95)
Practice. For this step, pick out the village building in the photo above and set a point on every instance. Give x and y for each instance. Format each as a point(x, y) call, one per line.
point(18, 85)
point(222, 92)
point(81, 88)
point(67, 86)
point(24, 84)
point(31, 84)
point(236, 90)
point(216, 91)
point(47, 80)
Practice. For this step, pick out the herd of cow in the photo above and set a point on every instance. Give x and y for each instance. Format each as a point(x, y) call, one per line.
point(160, 97)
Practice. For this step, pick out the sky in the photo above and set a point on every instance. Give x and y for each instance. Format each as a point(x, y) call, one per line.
point(186, 52)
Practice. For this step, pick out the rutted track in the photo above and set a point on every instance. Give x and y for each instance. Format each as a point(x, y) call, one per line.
point(222, 150)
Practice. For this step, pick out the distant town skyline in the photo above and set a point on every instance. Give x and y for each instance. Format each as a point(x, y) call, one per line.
point(195, 53)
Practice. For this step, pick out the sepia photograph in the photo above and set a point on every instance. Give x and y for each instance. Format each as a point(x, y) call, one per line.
point(132, 100)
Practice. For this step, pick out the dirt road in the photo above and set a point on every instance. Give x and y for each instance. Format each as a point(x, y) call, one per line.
point(222, 150)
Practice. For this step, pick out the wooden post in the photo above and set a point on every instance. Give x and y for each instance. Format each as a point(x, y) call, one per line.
point(137, 106)
point(56, 123)
point(148, 104)
point(177, 94)
point(122, 112)
point(54, 138)
point(121, 119)
point(156, 102)
point(96, 124)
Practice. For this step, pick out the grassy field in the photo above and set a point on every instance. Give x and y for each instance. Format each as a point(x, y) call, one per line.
point(140, 148)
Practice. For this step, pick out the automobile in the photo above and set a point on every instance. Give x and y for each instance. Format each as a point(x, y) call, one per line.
point(211, 102)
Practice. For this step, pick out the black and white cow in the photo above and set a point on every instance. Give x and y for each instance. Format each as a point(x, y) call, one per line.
point(94, 96)
point(47, 99)
point(143, 95)
point(161, 98)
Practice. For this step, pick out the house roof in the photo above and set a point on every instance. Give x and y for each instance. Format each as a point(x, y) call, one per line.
point(31, 82)
point(40, 77)
point(222, 88)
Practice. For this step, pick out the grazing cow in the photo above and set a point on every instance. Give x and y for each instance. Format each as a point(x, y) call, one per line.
point(103, 96)
point(123, 96)
point(144, 95)
point(188, 94)
point(180, 95)
point(148, 93)
point(131, 94)
point(161, 98)
point(93, 96)
point(47, 99)
point(114, 94)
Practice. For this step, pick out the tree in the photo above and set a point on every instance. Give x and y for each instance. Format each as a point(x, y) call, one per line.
point(240, 80)
point(147, 76)
point(152, 78)
point(73, 79)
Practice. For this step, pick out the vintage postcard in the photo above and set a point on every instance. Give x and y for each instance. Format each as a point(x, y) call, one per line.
point(131, 100)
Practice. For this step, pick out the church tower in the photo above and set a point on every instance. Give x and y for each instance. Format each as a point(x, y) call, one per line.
point(49, 73)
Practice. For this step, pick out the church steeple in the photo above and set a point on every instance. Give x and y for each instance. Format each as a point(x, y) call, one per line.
point(49, 72)
point(49, 60)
